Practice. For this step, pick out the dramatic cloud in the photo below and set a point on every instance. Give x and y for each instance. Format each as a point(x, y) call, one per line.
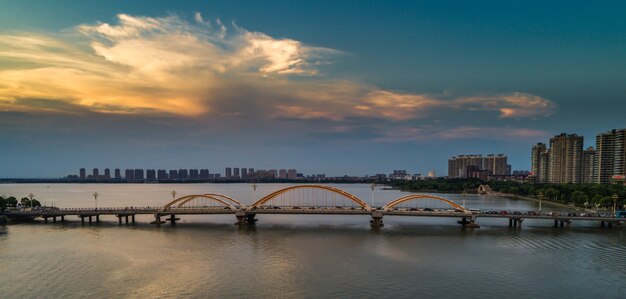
point(204, 70)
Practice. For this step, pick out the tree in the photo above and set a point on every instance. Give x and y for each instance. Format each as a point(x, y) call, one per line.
point(579, 197)
point(3, 203)
point(11, 201)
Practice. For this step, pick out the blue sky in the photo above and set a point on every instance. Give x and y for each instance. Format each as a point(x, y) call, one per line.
point(336, 87)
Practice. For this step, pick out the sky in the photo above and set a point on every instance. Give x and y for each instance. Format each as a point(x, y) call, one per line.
point(334, 87)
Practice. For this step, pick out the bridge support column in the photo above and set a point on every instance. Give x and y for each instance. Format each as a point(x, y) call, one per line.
point(469, 222)
point(62, 218)
point(157, 220)
point(241, 217)
point(133, 218)
point(556, 223)
point(54, 219)
point(173, 219)
point(610, 224)
point(126, 219)
point(119, 219)
point(377, 219)
point(97, 218)
point(561, 223)
point(89, 219)
point(510, 222)
point(45, 219)
point(82, 220)
point(250, 219)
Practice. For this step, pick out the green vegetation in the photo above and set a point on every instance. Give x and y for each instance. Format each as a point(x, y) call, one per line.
point(589, 195)
point(11, 201)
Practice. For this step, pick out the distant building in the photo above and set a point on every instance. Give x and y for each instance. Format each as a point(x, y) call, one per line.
point(540, 157)
point(244, 173)
point(610, 156)
point(565, 159)
point(194, 174)
point(204, 174)
point(183, 174)
point(282, 174)
point(129, 175)
point(587, 167)
point(162, 174)
point(173, 174)
point(83, 173)
point(432, 173)
point(228, 172)
point(236, 172)
point(292, 174)
point(139, 175)
point(95, 175)
point(107, 174)
point(151, 175)
point(494, 164)
point(118, 174)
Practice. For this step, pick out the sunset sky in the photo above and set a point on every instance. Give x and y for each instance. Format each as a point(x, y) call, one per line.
point(335, 87)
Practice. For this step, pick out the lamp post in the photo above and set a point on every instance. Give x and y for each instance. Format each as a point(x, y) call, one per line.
point(30, 196)
point(464, 194)
point(615, 198)
point(173, 194)
point(540, 195)
point(373, 186)
point(95, 196)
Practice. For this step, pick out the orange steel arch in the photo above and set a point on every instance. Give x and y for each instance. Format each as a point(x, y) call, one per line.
point(228, 201)
point(322, 187)
point(421, 196)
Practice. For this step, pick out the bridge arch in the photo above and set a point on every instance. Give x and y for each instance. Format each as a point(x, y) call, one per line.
point(334, 190)
point(220, 198)
point(422, 196)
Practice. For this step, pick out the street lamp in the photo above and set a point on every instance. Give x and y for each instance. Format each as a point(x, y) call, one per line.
point(95, 196)
point(30, 196)
point(464, 194)
point(173, 194)
point(615, 198)
point(373, 186)
point(540, 195)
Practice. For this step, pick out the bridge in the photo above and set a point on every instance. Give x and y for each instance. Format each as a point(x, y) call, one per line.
point(300, 200)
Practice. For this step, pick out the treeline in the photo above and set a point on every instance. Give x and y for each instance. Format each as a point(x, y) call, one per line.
point(11, 201)
point(589, 195)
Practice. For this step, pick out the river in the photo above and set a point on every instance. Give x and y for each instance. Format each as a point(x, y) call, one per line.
point(300, 256)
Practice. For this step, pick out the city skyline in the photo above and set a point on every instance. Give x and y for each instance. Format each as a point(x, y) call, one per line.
point(356, 89)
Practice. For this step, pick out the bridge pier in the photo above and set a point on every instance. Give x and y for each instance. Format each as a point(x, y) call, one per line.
point(250, 219)
point(468, 223)
point(515, 222)
point(119, 219)
point(377, 219)
point(97, 218)
point(54, 219)
point(173, 219)
point(62, 218)
point(45, 219)
point(157, 220)
point(133, 218)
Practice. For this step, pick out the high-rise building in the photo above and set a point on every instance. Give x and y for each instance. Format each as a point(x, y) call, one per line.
point(194, 174)
point(587, 167)
point(204, 174)
point(228, 172)
point(236, 172)
point(282, 174)
point(139, 175)
point(292, 174)
point(107, 174)
point(494, 164)
point(150, 175)
point(244, 173)
point(129, 175)
point(173, 174)
point(565, 159)
point(610, 155)
point(83, 173)
point(539, 163)
point(162, 174)
point(96, 174)
point(183, 174)
point(118, 174)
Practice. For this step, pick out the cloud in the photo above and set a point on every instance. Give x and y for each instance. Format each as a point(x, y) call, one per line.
point(203, 70)
point(429, 133)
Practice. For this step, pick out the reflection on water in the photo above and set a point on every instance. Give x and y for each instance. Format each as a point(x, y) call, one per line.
point(303, 256)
